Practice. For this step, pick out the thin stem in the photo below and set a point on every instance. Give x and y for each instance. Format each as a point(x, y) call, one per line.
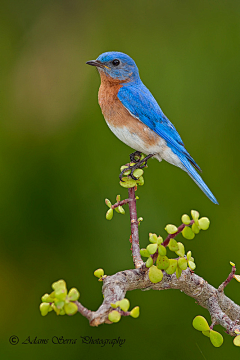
point(120, 203)
point(84, 311)
point(227, 281)
point(171, 236)
point(134, 228)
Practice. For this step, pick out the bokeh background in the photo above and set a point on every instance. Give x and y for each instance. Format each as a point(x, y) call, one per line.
point(59, 160)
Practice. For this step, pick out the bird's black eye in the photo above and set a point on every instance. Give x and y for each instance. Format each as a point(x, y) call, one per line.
point(115, 62)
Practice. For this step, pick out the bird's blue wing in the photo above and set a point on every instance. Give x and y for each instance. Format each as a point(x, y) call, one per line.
point(141, 104)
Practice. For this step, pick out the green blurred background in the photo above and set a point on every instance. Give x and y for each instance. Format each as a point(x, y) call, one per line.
point(59, 160)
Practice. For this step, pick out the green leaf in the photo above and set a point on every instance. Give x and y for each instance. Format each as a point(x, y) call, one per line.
point(137, 173)
point(171, 229)
point(195, 229)
point(237, 277)
point(236, 340)
point(140, 181)
point(186, 219)
point(99, 273)
point(178, 272)
point(152, 248)
point(108, 203)
point(195, 215)
point(162, 250)
point(172, 267)
point(144, 253)
point(188, 233)
point(109, 214)
point(162, 262)
point(149, 262)
point(44, 308)
point(181, 249)
point(200, 323)
point(192, 265)
point(114, 316)
point(135, 312)
point(124, 304)
point(153, 238)
point(182, 263)
point(173, 245)
point(73, 294)
point(155, 275)
point(70, 308)
point(127, 182)
point(216, 338)
point(204, 223)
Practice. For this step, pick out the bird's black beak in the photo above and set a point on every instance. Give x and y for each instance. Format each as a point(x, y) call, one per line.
point(96, 63)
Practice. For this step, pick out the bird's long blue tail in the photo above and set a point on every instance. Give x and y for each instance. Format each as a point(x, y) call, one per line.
point(197, 178)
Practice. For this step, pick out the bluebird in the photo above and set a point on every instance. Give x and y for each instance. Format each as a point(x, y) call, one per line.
point(134, 116)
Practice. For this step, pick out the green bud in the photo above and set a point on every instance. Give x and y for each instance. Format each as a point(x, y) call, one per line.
point(109, 214)
point(162, 250)
point(149, 262)
point(144, 253)
point(127, 182)
point(172, 267)
point(108, 203)
point(118, 198)
point(73, 294)
point(163, 262)
point(155, 275)
point(44, 308)
point(200, 323)
point(140, 219)
point(236, 340)
point(178, 272)
point(186, 219)
point(114, 316)
point(135, 312)
point(171, 229)
point(140, 181)
point(182, 263)
point(188, 233)
point(181, 249)
point(173, 245)
point(192, 265)
point(195, 215)
point(153, 238)
point(216, 338)
point(124, 304)
point(195, 228)
point(137, 173)
point(70, 308)
point(232, 264)
point(99, 273)
point(204, 223)
point(152, 248)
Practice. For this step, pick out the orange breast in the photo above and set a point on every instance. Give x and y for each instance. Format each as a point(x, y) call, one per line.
point(117, 115)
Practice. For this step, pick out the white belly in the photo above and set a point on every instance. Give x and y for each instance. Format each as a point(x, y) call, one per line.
point(161, 149)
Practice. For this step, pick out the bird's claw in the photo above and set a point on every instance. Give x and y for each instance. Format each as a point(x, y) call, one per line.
point(138, 164)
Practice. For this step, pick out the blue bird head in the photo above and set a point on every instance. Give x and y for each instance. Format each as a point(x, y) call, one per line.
point(117, 65)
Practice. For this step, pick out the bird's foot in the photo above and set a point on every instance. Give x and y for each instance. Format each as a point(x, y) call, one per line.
point(137, 162)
